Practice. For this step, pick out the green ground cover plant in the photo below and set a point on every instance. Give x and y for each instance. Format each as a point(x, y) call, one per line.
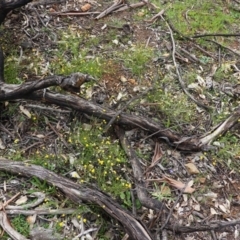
point(94, 157)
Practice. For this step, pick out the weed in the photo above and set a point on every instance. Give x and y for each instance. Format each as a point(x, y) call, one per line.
point(136, 59)
point(21, 225)
point(100, 160)
point(164, 193)
point(11, 71)
point(192, 17)
point(71, 58)
point(172, 108)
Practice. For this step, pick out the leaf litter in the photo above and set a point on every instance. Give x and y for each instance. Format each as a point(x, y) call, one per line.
point(166, 164)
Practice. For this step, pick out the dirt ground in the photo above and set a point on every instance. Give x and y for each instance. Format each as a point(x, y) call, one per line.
point(41, 41)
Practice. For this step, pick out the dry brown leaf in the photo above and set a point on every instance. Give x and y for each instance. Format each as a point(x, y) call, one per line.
point(21, 200)
point(25, 111)
point(202, 180)
point(157, 155)
point(191, 168)
point(31, 219)
point(86, 7)
point(213, 211)
point(180, 185)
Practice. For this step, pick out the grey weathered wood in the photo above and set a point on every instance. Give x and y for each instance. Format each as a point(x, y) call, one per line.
point(8, 5)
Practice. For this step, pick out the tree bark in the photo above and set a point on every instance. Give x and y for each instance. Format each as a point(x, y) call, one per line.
point(78, 193)
point(8, 5)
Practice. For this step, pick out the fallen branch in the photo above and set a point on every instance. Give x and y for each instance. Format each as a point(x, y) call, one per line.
point(142, 193)
point(221, 128)
point(178, 73)
point(78, 193)
point(26, 91)
point(6, 226)
point(217, 226)
point(117, 4)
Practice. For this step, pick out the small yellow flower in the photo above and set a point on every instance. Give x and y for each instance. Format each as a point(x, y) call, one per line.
point(93, 170)
point(16, 140)
point(61, 224)
point(84, 220)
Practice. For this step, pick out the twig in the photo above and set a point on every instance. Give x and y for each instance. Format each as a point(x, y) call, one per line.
point(73, 13)
point(174, 205)
point(138, 174)
point(1, 65)
point(217, 225)
point(45, 2)
point(40, 198)
point(229, 49)
point(2, 206)
point(155, 17)
point(216, 35)
point(115, 6)
point(40, 211)
point(203, 50)
point(134, 5)
point(51, 109)
point(113, 119)
point(84, 233)
point(177, 70)
point(221, 128)
point(189, 54)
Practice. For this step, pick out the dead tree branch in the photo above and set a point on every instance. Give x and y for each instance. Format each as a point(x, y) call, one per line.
point(78, 193)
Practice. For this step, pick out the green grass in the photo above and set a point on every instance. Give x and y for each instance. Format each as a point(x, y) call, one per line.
point(12, 70)
point(69, 57)
point(97, 158)
point(197, 17)
point(136, 59)
point(20, 224)
point(101, 160)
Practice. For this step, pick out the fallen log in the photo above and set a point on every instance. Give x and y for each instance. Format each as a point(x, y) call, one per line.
point(78, 193)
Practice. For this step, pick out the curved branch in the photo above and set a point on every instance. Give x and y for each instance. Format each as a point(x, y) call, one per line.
point(202, 227)
point(142, 193)
point(78, 193)
point(70, 83)
point(82, 105)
